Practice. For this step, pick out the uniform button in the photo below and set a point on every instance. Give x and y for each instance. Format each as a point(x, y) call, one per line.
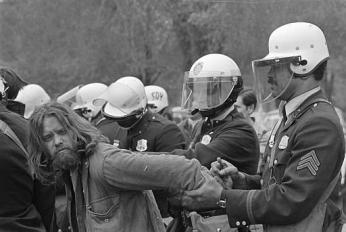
point(86, 164)
point(243, 223)
point(261, 181)
point(106, 220)
point(140, 132)
point(275, 162)
point(237, 223)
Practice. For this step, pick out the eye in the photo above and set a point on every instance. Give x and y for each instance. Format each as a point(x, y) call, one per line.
point(61, 132)
point(47, 138)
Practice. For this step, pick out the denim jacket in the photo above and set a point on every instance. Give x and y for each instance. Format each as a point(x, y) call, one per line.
point(116, 188)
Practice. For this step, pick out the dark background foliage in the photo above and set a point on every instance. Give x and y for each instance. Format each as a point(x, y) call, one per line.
point(62, 43)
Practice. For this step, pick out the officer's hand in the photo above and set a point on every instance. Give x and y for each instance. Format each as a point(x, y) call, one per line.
point(230, 175)
point(205, 197)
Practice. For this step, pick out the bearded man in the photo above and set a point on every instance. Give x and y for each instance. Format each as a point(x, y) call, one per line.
point(107, 188)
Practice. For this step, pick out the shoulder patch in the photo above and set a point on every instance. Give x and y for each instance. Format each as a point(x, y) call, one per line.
point(309, 161)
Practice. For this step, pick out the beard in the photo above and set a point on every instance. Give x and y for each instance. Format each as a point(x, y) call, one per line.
point(65, 160)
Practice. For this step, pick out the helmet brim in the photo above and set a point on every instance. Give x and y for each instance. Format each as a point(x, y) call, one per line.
point(276, 58)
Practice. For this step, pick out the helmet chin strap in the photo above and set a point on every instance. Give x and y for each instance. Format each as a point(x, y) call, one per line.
point(223, 114)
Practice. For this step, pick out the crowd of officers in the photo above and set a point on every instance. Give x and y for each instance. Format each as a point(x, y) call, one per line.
point(159, 174)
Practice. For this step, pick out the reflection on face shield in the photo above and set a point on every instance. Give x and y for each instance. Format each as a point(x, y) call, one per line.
point(272, 78)
point(207, 92)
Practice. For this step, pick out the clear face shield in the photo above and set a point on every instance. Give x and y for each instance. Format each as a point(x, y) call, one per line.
point(206, 91)
point(273, 77)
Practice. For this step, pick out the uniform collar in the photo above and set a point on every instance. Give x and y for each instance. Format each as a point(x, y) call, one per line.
point(224, 114)
point(294, 103)
point(148, 115)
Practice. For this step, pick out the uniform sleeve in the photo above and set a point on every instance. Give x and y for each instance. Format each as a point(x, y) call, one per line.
point(171, 138)
point(302, 185)
point(133, 171)
point(237, 144)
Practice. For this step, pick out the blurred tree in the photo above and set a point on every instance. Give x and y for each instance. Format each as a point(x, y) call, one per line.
point(60, 44)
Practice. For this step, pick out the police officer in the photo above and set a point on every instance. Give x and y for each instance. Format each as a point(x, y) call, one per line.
point(126, 104)
point(305, 151)
point(211, 88)
point(158, 100)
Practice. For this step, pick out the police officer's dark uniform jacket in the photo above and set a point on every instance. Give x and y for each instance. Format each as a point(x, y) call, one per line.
point(154, 133)
point(112, 130)
point(308, 153)
point(231, 138)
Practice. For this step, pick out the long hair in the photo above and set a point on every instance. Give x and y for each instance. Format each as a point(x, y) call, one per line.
point(81, 131)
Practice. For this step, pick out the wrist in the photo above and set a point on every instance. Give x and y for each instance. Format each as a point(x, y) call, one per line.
point(222, 200)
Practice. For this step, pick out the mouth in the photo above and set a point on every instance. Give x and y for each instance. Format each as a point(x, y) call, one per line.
point(270, 80)
point(61, 149)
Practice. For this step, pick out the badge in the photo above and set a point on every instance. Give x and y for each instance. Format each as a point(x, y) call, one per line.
point(142, 145)
point(271, 141)
point(283, 142)
point(206, 139)
point(116, 143)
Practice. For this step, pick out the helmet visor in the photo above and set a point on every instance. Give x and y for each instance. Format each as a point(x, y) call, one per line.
point(206, 91)
point(272, 77)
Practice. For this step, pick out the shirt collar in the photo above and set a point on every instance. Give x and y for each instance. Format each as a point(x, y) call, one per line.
point(294, 103)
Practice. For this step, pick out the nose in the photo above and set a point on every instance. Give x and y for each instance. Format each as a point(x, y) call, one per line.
point(58, 140)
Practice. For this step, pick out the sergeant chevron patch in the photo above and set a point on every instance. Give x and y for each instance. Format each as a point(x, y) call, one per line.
point(309, 161)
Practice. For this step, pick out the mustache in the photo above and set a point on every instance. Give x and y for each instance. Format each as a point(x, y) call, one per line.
point(65, 159)
point(271, 80)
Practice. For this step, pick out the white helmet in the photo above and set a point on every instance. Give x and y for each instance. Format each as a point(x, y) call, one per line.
point(123, 98)
point(2, 88)
point(157, 98)
point(301, 45)
point(85, 96)
point(69, 97)
point(32, 96)
point(211, 85)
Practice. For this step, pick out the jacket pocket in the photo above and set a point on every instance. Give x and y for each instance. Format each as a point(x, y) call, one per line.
point(104, 208)
point(280, 164)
